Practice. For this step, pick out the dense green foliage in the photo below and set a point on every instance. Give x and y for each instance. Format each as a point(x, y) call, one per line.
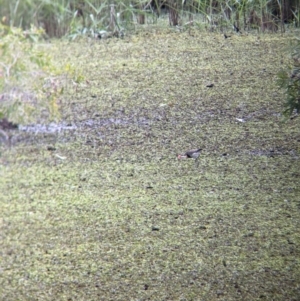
point(23, 67)
point(75, 17)
point(289, 80)
point(31, 83)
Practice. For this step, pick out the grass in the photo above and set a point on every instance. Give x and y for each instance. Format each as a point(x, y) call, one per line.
point(110, 214)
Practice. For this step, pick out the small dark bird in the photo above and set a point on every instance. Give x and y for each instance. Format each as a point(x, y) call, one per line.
point(236, 28)
point(226, 36)
point(193, 153)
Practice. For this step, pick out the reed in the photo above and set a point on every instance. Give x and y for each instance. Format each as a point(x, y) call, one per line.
point(73, 17)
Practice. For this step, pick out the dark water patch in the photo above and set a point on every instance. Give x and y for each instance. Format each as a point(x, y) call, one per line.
point(80, 125)
point(47, 128)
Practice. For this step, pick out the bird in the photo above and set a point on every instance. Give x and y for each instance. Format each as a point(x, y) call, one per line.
point(236, 29)
point(193, 154)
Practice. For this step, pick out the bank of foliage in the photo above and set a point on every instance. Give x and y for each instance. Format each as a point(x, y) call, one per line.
point(74, 17)
point(30, 82)
point(289, 80)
